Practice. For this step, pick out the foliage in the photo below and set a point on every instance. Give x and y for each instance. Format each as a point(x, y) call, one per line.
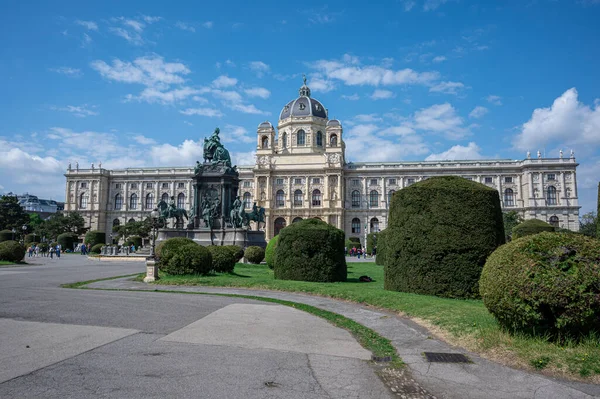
point(66, 240)
point(7, 235)
point(372, 239)
point(136, 228)
point(135, 240)
point(310, 250)
point(166, 249)
point(223, 261)
point(531, 226)
point(238, 252)
point(44, 246)
point(349, 244)
point(255, 254)
point(95, 237)
point(11, 214)
point(11, 251)
point(598, 214)
point(381, 247)
point(588, 224)
point(439, 235)
point(29, 238)
point(270, 251)
point(190, 258)
point(510, 220)
point(59, 223)
point(96, 249)
point(545, 284)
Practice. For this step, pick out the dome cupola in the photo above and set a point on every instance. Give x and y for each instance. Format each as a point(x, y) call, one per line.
point(303, 106)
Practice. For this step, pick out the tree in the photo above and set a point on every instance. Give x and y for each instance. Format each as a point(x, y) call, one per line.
point(510, 219)
point(588, 224)
point(59, 224)
point(12, 216)
point(135, 228)
point(598, 213)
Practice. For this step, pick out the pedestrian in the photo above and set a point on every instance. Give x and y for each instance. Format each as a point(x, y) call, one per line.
point(89, 248)
point(58, 248)
point(37, 251)
point(83, 248)
point(359, 251)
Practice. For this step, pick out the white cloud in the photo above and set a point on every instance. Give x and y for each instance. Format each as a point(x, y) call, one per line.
point(367, 118)
point(131, 29)
point(85, 40)
point(493, 99)
point(210, 112)
point(259, 68)
point(228, 95)
point(135, 25)
point(243, 158)
point(89, 25)
point(469, 152)
point(143, 140)
point(224, 81)
point(67, 71)
point(234, 134)
point(184, 26)
point(478, 112)
point(258, 92)
point(317, 83)
point(360, 138)
point(352, 97)
point(185, 154)
point(201, 100)
point(152, 95)
point(208, 24)
point(439, 58)
point(440, 118)
point(447, 87)
point(188, 123)
point(150, 19)
point(151, 71)
point(432, 5)
point(80, 111)
point(132, 37)
point(408, 5)
point(382, 94)
point(248, 109)
point(568, 121)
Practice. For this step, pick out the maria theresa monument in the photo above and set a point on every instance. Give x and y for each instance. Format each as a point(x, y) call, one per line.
point(301, 172)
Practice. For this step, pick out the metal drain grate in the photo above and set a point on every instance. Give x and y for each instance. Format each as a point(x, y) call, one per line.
point(436, 357)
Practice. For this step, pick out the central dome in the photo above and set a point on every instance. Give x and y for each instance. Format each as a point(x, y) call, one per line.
point(303, 105)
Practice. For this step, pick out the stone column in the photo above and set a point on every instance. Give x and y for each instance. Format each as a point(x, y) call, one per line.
point(499, 185)
point(563, 190)
point(151, 271)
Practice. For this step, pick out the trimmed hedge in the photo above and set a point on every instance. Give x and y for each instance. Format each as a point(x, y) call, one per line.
point(30, 238)
point(135, 240)
point(165, 250)
point(270, 251)
point(223, 260)
point(529, 227)
point(372, 238)
point(255, 254)
point(66, 241)
point(96, 249)
point(190, 258)
point(349, 244)
point(440, 233)
point(6, 235)
point(95, 237)
point(545, 284)
point(310, 250)
point(381, 247)
point(237, 251)
point(11, 251)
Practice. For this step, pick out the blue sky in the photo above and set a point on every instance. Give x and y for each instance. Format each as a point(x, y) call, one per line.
point(140, 83)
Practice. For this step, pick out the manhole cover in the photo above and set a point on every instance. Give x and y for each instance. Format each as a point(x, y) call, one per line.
point(437, 357)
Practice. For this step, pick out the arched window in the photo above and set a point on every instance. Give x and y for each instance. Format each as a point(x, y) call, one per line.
point(165, 197)
point(133, 201)
point(316, 198)
point(319, 139)
point(265, 142)
point(298, 198)
point(356, 225)
point(355, 199)
point(374, 225)
point(279, 199)
point(132, 220)
point(284, 140)
point(509, 197)
point(333, 140)
point(551, 197)
point(150, 201)
point(181, 201)
point(554, 221)
point(118, 202)
point(279, 224)
point(296, 219)
point(116, 223)
point(390, 196)
point(374, 199)
point(247, 200)
point(83, 201)
point(301, 138)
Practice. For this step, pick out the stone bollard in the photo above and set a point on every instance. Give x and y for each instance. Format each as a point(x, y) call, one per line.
point(151, 270)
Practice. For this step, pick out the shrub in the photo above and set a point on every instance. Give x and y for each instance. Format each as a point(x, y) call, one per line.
point(166, 249)
point(270, 251)
point(545, 283)
point(440, 233)
point(7, 235)
point(371, 242)
point(66, 240)
point(95, 237)
point(237, 251)
point(135, 240)
point(11, 251)
point(96, 249)
point(255, 254)
point(529, 227)
point(190, 258)
point(349, 244)
point(44, 246)
point(223, 261)
point(30, 238)
point(310, 250)
point(381, 247)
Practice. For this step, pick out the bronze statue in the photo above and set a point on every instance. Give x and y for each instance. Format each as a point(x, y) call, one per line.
point(257, 215)
point(237, 214)
point(214, 151)
point(170, 211)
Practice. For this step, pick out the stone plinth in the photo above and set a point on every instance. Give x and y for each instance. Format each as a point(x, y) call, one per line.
point(151, 270)
point(229, 236)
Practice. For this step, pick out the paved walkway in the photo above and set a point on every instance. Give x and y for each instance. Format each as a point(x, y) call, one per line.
point(481, 379)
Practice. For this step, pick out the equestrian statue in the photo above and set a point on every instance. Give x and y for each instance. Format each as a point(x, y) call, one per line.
point(170, 211)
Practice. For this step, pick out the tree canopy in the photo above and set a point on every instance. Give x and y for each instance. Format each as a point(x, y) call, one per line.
point(11, 214)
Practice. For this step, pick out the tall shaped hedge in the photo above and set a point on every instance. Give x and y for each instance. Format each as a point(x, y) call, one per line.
point(310, 250)
point(381, 247)
point(95, 237)
point(439, 236)
point(530, 227)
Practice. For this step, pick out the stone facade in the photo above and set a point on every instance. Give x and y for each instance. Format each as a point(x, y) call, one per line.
point(300, 172)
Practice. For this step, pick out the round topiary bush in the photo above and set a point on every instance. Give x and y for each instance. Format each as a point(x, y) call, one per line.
point(66, 240)
point(135, 240)
point(270, 251)
point(547, 283)
point(529, 227)
point(440, 232)
point(223, 261)
point(190, 258)
point(95, 237)
point(11, 251)
point(237, 251)
point(310, 250)
point(6, 235)
point(96, 249)
point(166, 249)
point(30, 238)
point(381, 248)
point(255, 254)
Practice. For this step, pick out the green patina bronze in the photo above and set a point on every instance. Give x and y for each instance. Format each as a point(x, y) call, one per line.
point(214, 152)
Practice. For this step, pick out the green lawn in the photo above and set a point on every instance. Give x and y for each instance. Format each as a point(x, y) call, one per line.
point(463, 322)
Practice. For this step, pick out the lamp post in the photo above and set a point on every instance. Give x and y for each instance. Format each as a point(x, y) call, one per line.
point(154, 215)
point(13, 235)
point(111, 238)
point(24, 227)
point(151, 269)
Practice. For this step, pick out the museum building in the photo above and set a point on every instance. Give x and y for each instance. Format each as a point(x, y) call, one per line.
point(301, 172)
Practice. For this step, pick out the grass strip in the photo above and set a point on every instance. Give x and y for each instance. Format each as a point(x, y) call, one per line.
point(81, 284)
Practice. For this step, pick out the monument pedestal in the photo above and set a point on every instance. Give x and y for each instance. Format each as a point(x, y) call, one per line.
point(151, 271)
point(228, 236)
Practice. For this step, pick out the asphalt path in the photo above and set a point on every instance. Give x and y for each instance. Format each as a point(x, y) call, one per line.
point(69, 343)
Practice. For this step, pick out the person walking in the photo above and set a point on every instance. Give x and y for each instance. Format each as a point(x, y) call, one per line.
point(58, 248)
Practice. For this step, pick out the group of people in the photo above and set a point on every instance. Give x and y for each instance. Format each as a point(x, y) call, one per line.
point(360, 252)
point(85, 248)
point(37, 250)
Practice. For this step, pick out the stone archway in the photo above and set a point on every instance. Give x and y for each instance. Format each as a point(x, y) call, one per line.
point(278, 225)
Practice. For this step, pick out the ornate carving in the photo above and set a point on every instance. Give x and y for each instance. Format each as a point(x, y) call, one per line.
point(334, 158)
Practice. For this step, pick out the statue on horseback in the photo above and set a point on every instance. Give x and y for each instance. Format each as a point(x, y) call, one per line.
point(214, 151)
point(170, 211)
point(257, 215)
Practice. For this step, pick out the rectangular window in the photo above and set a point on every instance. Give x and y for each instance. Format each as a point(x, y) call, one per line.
point(279, 181)
point(246, 184)
point(508, 179)
point(118, 186)
point(355, 182)
point(83, 185)
point(551, 177)
point(297, 181)
point(149, 186)
point(165, 185)
point(316, 180)
point(373, 182)
point(489, 180)
point(392, 182)
point(410, 181)
point(180, 185)
point(134, 186)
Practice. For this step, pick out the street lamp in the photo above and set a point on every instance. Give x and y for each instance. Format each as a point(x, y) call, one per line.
point(154, 216)
point(24, 227)
point(111, 238)
point(13, 235)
